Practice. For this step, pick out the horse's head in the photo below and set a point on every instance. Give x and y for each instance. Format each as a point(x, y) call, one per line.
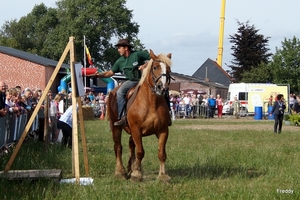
point(158, 73)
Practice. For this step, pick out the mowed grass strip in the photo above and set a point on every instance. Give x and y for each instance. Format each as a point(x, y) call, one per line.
point(207, 159)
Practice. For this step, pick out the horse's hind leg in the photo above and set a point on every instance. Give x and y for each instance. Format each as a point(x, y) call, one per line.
point(120, 171)
point(162, 156)
point(132, 156)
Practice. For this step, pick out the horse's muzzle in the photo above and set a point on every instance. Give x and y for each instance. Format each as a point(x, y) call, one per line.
point(160, 90)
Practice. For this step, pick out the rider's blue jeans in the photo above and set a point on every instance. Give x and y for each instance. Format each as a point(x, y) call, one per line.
point(121, 95)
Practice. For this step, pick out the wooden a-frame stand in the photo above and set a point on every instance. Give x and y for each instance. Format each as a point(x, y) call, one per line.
point(75, 100)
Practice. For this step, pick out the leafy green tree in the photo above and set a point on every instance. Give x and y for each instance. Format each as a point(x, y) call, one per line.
point(286, 64)
point(6, 34)
point(31, 31)
point(260, 74)
point(249, 50)
point(46, 31)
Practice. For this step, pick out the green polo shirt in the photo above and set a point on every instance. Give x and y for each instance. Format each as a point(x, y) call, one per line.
point(130, 66)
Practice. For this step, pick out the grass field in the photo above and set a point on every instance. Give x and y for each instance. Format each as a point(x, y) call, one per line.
point(207, 159)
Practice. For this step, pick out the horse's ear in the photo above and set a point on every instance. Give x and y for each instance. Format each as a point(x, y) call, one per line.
point(152, 55)
point(169, 55)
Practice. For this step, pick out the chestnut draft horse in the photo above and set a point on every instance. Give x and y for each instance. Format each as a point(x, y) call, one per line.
point(147, 114)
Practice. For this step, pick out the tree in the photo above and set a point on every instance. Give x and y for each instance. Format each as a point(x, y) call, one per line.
point(260, 74)
point(249, 50)
point(286, 64)
point(31, 31)
point(46, 31)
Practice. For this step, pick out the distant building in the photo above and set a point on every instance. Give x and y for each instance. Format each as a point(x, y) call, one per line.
point(210, 78)
point(213, 72)
point(28, 70)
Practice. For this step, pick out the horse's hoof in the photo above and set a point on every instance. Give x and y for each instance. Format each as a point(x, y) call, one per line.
point(136, 179)
point(136, 176)
point(164, 178)
point(121, 176)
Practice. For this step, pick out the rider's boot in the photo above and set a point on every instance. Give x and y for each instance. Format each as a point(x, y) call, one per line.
point(121, 122)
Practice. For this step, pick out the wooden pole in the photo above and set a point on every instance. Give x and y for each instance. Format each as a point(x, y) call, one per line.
point(83, 137)
point(74, 111)
point(46, 122)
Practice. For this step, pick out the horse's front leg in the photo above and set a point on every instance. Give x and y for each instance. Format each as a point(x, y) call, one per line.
point(120, 171)
point(136, 174)
point(162, 156)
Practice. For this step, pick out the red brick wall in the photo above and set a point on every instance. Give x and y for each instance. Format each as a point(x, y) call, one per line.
point(15, 71)
point(186, 84)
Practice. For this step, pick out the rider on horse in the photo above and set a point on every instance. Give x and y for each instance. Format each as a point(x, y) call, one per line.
point(130, 63)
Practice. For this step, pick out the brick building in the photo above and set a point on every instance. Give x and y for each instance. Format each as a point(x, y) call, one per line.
point(27, 70)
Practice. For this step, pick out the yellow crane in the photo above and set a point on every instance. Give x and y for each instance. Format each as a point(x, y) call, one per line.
point(221, 35)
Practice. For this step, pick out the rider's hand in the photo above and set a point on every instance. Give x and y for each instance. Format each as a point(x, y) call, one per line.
point(142, 67)
point(96, 74)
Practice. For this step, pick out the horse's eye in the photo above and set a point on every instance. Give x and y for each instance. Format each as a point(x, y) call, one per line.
point(154, 67)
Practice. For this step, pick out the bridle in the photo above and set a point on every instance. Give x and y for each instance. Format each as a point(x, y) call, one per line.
point(157, 88)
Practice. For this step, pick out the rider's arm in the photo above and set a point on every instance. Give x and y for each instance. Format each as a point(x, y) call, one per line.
point(106, 74)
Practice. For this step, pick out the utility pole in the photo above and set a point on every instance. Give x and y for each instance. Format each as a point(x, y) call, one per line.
point(221, 34)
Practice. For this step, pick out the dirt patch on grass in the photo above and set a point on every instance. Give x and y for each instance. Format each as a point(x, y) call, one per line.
point(242, 123)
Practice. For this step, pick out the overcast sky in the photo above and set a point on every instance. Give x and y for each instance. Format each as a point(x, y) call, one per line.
point(189, 29)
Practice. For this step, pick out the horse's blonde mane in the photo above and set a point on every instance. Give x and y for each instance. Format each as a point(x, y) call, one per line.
point(163, 58)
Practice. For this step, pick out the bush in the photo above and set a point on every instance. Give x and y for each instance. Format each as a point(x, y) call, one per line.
point(294, 119)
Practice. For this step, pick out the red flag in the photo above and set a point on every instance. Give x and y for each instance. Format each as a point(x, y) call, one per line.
point(89, 57)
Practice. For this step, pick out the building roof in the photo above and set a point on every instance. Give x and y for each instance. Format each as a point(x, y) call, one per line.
point(201, 81)
point(30, 57)
point(212, 71)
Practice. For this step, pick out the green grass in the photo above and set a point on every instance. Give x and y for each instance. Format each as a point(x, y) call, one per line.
point(203, 164)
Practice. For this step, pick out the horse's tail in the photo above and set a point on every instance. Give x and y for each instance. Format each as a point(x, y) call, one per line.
point(108, 106)
point(107, 113)
point(112, 111)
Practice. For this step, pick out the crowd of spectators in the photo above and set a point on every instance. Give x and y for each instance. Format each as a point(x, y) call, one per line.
point(186, 105)
point(16, 101)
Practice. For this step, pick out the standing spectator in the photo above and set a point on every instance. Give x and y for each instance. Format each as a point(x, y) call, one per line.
point(173, 100)
point(236, 105)
point(52, 117)
point(270, 102)
point(187, 101)
point(20, 104)
point(11, 96)
point(182, 109)
point(3, 88)
point(28, 94)
point(219, 101)
point(102, 103)
point(212, 105)
point(204, 106)
point(194, 104)
point(91, 97)
point(296, 107)
point(278, 112)
point(291, 102)
point(19, 89)
point(200, 98)
point(65, 123)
